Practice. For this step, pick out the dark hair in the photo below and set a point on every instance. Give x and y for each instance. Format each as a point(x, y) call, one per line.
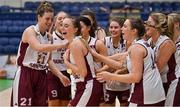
point(93, 16)
point(139, 25)
point(76, 24)
point(120, 21)
point(44, 7)
point(87, 22)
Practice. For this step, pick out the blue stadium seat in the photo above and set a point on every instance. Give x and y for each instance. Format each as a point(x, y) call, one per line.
point(1, 23)
point(106, 4)
point(65, 8)
point(3, 29)
point(102, 16)
point(10, 49)
point(95, 6)
point(28, 23)
point(57, 6)
point(2, 50)
point(167, 7)
point(7, 22)
point(36, 4)
point(13, 29)
point(29, 5)
point(144, 16)
point(156, 6)
point(117, 5)
point(5, 9)
point(4, 41)
point(18, 23)
point(104, 24)
point(135, 5)
point(176, 6)
point(145, 4)
point(14, 41)
point(75, 9)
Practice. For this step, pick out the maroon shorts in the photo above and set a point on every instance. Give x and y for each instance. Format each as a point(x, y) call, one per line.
point(121, 95)
point(56, 89)
point(88, 93)
point(29, 87)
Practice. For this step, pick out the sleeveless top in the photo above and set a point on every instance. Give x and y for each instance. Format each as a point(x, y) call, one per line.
point(57, 55)
point(115, 85)
point(156, 47)
point(150, 89)
point(177, 58)
point(31, 58)
point(89, 65)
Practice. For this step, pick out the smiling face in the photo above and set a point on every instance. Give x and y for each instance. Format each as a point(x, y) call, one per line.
point(45, 20)
point(59, 20)
point(68, 29)
point(115, 29)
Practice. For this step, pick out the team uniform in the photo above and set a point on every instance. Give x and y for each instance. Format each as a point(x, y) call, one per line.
point(56, 89)
point(88, 90)
point(149, 91)
point(173, 94)
point(29, 87)
point(97, 65)
point(121, 90)
point(169, 67)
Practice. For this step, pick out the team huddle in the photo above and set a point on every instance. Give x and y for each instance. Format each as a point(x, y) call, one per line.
point(68, 61)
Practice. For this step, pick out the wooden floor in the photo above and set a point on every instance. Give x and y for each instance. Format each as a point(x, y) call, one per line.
point(5, 96)
point(5, 93)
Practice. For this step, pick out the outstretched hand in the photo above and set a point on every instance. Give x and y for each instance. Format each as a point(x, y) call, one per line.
point(104, 76)
point(93, 52)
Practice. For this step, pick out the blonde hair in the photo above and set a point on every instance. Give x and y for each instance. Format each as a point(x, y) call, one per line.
point(173, 18)
point(160, 23)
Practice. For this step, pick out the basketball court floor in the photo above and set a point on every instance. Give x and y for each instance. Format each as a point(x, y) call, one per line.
point(6, 89)
point(5, 92)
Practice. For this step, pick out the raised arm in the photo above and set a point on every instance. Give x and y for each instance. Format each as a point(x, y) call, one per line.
point(29, 36)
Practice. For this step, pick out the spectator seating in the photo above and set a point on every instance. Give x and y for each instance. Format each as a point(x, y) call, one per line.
point(13, 23)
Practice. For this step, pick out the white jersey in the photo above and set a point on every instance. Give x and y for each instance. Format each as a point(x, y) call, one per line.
point(177, 58)
point(118, 86)
point(90, 68)
point(31, 58)
point(150, 89)
point(57, 55)
point(113, 50)
point(156, 47)
point(92, 43)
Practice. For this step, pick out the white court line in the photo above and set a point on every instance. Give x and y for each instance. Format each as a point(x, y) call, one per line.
point(5, 97)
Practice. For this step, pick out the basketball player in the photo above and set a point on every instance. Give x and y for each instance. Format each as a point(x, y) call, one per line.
point(59, 89)
point(99, 32)
point(146, 84)
point(115, 44)
point(174, 88)
point(156, 28)
point(29, 87)
point(88, 89)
